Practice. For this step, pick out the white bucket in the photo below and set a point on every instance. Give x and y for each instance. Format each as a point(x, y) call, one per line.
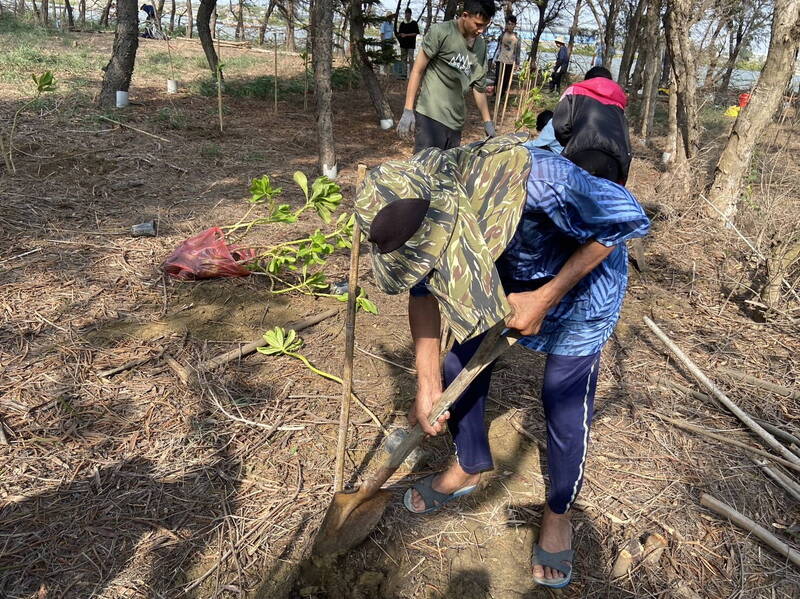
point(330, 171)
point(172, 86)
point(122, 99)
point(666, 157)
point(387, 124)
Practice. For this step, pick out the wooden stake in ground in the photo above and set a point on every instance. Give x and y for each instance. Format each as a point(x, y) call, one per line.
point(762, 533)
point(219, 82)
point(350, 341)
point(498, 91)
point(723, 399)
point(508, 93)
point(305, 74)
point(276, 72)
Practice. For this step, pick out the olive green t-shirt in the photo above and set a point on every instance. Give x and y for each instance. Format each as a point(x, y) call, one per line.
point(453, 69)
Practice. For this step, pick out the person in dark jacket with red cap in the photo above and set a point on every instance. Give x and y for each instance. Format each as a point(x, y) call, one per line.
point(589, 121)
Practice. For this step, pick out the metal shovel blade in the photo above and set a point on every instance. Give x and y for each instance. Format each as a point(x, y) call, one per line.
point(350, 518)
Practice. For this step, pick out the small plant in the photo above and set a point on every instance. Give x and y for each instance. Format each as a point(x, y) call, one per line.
point(210, 151)
point(44, 83)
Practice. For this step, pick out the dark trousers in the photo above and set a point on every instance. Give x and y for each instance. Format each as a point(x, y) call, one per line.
point(568, 399)
point(507, 69)
point(555, 80)
point(433, 134)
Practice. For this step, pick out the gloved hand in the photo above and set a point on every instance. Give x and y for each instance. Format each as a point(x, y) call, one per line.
point(488, 126)
point(405, 128)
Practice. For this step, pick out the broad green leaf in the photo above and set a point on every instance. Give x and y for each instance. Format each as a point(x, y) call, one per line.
point(302, 182)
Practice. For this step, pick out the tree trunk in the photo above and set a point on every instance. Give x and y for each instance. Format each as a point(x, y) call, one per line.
point(323, 62)
point(379, 101)
point(119, 70)
point(537, 35)
point(190, 20)
point(756, 116)
point(214, 22)
point(650, 92)
point(82, 12)
point(573, 31)
point(610, 32)
point(734, 47)
point(291, 45)
point(172, 17)
point(631, 43)
point(70, 16)
point(650, 69)
point(713, 56)
point(262, 32)
point(239, 34)
point(204, 33)
point(104, 16)
point(429, 13)
point(679, 21)
point(450, 10)
point(45, 13)
point(673, 150)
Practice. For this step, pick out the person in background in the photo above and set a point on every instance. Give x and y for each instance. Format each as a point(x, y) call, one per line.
point(387, 37)
point(491, 50)
point(562, 62)
point(589, 121)
point(452, 61)
point(546, 139)
point(599, 49)
point(506, 56)
point(407, 36)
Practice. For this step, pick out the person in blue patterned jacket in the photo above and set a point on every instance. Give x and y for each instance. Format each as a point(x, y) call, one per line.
point(554, 237)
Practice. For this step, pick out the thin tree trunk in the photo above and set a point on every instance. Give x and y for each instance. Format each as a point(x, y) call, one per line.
point(290, 26)
point(631, 44)
point(650, 93)
point(679, 22)
point(214, 22)
point(734, 47)
point(450, 10)
point(172, 17)
point(379, 100)
point(323, 64)
point(239, 21)
point(713, 56)
point(190, 20)
point(45, 12)
point(119, 70)
point(82, 13)
point(204, 33)
point(573, 31)
point(610, 32)
point(70, 16)
point(429, 13)
point(537, 35)
point(262, 32)
point(756, 116)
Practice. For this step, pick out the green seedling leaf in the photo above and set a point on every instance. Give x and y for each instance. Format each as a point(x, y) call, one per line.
point(302, 182)
point(261, 190)
point(283, 214)
point(46, 82)
point(325, 197)
point(280, 341)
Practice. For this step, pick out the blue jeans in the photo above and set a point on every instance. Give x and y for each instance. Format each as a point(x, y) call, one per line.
point(568, 399)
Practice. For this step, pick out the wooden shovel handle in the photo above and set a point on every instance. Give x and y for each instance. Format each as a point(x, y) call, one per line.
point(491, 348)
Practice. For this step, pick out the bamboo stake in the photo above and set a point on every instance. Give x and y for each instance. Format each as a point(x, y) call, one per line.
point(508, 93)
point(105, 118)
point(498, 90)
point(276, 72)
point(737, 411)
point(350, 340)
point(219, 81)
point(758, 531)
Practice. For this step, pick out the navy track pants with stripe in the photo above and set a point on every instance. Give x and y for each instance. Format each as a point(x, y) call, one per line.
point(568, 399)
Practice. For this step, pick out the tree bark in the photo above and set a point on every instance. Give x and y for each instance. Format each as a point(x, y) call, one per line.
point(756, 116)
point(713, 55)
point(610, 32)
point(653, 58)
point(541, 7)
point(190, 20)
point(450, 10)
point(262, 32)
point(82, 12)
point(104, 16)
point(45, 13)
point(379, 101)
point(70, 16)
point(239, 34)
point(291, 46)
point(631, 43)
point(119, 70)
point(172, 17)
point(573, 31)
point(679, 21)
point(214, 22)
point(323, 63)
point(204, 33)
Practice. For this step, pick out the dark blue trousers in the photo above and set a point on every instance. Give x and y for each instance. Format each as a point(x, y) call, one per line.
point(568, 400)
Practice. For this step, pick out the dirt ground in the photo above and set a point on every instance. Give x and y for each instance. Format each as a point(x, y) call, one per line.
point(133, 485)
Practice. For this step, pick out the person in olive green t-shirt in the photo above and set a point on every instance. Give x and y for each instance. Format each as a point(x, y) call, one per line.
point(453, 60)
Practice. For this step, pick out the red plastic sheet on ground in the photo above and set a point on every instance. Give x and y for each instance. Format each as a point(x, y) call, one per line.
point(207, 256)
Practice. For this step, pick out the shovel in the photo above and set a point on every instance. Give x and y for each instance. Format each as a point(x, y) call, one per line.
point(352, 515)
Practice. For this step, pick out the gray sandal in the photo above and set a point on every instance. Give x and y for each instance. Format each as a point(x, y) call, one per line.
point(433, 499)
point(560, 560)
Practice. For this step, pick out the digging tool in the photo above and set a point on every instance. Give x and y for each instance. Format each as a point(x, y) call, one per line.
point(352, 515)
point(349, 345)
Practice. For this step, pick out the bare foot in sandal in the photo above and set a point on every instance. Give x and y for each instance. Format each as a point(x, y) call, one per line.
point(447, 482)
point(555, 535)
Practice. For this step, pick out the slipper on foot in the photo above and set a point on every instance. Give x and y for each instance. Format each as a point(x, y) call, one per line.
point(560, 560)
point(433, 499)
